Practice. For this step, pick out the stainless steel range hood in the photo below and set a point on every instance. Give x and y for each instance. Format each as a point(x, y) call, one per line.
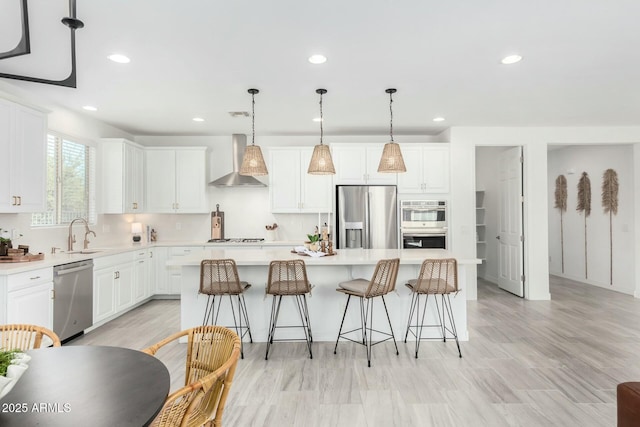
point(234, 179)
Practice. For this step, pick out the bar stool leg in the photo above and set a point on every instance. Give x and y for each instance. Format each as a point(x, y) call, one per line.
point(390, 327)
point(342, 323)
point(441, 317)
point(421, 325)
point(208, 311)
point(275, 310)
point(304, 317)
point(369, 319)
point(452, 321)
point(243, 308)
point(411, 311)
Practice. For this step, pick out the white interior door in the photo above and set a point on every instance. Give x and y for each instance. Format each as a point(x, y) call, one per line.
point(510, 237)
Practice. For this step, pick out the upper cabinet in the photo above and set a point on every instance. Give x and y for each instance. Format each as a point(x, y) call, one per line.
point(176, 180)
point(23, 139)
point(291, 188)
point(427, 168)
point(358, 164)
point(122, 171)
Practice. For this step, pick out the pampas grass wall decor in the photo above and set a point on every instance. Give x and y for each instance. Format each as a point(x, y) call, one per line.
point(561, 204)
point(584, 206)
point(610, 205)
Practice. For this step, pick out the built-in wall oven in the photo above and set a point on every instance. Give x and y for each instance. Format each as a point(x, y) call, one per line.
point(423, 224)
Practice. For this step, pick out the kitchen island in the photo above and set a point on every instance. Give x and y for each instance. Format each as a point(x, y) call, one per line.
point(325, 305)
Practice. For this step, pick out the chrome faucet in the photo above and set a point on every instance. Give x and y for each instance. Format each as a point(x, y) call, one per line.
point(72, 238)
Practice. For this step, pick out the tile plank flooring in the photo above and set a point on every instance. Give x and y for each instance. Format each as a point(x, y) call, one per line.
point(528, 363)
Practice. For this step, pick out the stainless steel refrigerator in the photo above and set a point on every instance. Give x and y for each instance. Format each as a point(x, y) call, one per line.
point(366, 216)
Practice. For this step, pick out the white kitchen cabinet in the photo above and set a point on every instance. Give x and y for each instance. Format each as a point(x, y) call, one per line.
point(291, 188)
point(30, 298)
point(113, 282)
point(140, 276)
point(176, 180)
point(23, 136)
point(104, 293)
point(357, 164)
point(427, 169)
point(124, 287)
point(122, 176)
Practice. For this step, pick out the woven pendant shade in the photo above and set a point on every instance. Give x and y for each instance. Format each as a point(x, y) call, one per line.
point(321, 162)
point(391, 160)
point(253, 163)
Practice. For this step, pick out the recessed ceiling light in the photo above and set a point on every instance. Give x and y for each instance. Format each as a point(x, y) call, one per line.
point(90, 108)
point(120, 59)
point(317, 59)
point(438, 119)
point(198, 119)
point(317, 119)
point(511, 59)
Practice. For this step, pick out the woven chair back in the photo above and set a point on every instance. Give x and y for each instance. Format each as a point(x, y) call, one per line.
point(438, 276)
point(384, 277)
point(219, 277)
point(288, 278)
point(26, 337)
point(212, 357)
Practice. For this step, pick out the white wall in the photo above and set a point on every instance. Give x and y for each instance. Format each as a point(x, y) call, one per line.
point(571, 162)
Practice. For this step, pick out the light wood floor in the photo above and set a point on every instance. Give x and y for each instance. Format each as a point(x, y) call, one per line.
point(528, 363)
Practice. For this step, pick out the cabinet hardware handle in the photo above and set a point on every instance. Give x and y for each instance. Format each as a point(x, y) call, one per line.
point(15, 200)
point(53, 294)
point(135, 205)
point(20, 200)
point(34, 278)
point(141, 262)
point(150, 254)
point(141, 253)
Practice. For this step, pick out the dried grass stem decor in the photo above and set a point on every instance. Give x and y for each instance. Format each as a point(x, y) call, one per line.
point(610, 205)
point(561, 204)
point(584, 206)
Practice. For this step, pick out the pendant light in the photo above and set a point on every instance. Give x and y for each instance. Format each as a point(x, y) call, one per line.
point(391, 160)
point(253, 163)
point(321, 162)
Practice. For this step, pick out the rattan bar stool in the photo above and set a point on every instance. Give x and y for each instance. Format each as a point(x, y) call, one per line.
point(437, 277)
point(219, 277)
point(382, 282)
point(289, 278)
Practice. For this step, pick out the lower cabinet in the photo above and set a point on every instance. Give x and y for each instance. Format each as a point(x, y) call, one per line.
point(30, 297)
point(141, 276)
point(104, 293)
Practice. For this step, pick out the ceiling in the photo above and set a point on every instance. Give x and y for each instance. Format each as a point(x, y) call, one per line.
point(199, 57)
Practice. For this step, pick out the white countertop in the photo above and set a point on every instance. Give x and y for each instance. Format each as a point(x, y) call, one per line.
point(342, 257)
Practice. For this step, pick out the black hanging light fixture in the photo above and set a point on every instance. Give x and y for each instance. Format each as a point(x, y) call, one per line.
point(24, 47)
point(253, 163)
point(391, 160)
point(321, 162)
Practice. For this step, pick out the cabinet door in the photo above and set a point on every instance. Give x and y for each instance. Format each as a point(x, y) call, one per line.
point(32, 305)
point(161, 283)
point(315, 190)
point(140, 280)
point(412, 180)
point(133, 179)
point(350, 163)
point(6, 136)
point(124, 287)
point(191, 181)
point(103, 293)
point(28, 178)
point(160, 180)
point(435, 161)
point(373, 154)
point(284, 180)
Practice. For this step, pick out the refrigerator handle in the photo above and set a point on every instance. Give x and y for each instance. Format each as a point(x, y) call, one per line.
point(367, 221)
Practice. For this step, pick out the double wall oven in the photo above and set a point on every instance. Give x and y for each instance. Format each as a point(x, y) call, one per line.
point(423, 224)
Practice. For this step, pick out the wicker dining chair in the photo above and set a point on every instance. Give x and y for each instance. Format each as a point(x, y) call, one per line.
point(437, 277)
point(212, 357)
point(382, 282)
point(219, 278)
point(27, 337)
point(289, 278)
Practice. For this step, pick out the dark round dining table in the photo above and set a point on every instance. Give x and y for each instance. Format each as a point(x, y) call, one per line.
point(87, 386)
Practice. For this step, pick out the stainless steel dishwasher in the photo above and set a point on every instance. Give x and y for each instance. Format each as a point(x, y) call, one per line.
point(73, 298)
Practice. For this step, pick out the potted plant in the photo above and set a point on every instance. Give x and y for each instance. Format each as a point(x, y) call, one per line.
point(313, 242)
point(13, 363)
point(5, 242)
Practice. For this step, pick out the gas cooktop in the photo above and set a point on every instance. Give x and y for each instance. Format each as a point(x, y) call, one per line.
point(237, 240)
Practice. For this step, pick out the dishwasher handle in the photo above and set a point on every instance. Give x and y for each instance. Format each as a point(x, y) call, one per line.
point(73, 270)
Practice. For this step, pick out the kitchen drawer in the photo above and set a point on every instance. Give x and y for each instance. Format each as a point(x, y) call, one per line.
point(29, 278)
point(113, 260)
point(185, 250)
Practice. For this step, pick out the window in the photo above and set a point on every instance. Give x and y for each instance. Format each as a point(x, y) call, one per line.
point(70, 183)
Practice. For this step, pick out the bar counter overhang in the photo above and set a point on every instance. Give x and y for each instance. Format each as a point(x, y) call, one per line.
point(325, 305)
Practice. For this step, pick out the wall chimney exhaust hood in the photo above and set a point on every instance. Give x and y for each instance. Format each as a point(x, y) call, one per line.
point(234, 179)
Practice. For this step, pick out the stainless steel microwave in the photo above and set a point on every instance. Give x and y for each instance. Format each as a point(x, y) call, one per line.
point(421, 214)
